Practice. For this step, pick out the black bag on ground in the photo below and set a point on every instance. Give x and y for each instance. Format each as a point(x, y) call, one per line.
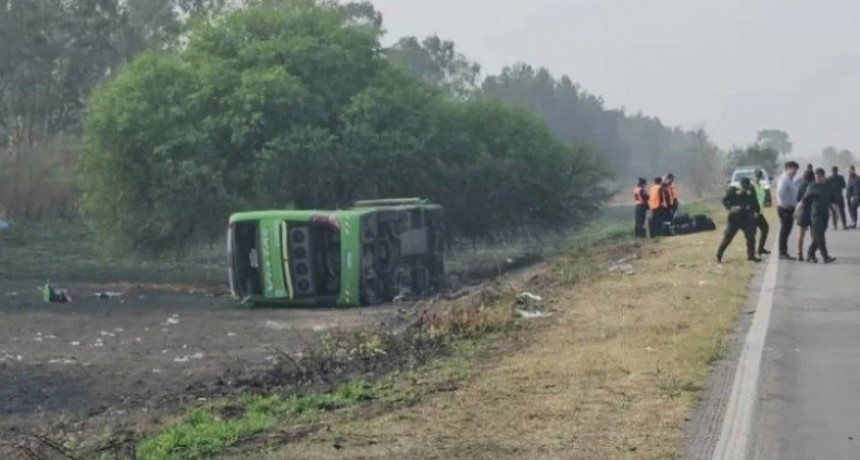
point(684, 229)
point(682, 218)
point(703, 223)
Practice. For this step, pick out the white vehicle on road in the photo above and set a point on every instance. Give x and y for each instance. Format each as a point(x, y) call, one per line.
point(749, 172)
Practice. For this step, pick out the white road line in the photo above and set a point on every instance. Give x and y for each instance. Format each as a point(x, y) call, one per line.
point(734, 437)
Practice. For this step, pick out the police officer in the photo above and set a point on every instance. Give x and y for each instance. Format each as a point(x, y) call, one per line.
point(837, 183)
point(819, 199)
point(743, 210)
point(640, 197)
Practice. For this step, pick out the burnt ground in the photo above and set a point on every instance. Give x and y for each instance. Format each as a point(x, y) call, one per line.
point(78, 359)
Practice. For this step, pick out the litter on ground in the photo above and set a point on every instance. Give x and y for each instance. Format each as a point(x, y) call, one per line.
point(623, 268)
point(527, 297)
point(532, 314)
point(108, 295)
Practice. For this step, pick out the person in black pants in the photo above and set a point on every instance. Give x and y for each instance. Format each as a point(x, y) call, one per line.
point(819, 199)
point(743, 208)
point(837, 184)
point(852, 195)
point(640, 197)
point(786, 196)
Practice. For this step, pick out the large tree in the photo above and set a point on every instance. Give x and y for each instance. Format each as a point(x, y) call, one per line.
point(775, 139)
point(54, 52)
point(438, 63)
point(294, 102)
point(573, 115)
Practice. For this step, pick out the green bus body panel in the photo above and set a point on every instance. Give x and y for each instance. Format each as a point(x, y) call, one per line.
point(350, 248)
point(275, 289)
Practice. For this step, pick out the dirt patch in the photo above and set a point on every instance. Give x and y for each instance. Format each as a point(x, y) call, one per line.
point(84, 357)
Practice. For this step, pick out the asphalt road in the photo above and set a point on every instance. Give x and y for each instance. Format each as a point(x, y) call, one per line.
point(794, 388)
point(809, 394)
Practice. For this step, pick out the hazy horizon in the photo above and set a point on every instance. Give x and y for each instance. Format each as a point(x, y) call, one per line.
point(732, 67)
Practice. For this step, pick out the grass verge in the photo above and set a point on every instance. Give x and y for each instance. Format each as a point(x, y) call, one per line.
point(615, 374)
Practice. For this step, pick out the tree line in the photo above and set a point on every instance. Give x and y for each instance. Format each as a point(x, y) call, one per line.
point(192, 109)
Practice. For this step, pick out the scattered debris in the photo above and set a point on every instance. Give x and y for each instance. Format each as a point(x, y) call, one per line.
point(8, 357)
point(623, 268)
point(532, 314)
point(108, 295)
point(527, 297)
point(51, 294)
point(530, 308)
point(98, 343)
point(106, 334)
point(276, 325)
point(174, 319)
point(185, 359)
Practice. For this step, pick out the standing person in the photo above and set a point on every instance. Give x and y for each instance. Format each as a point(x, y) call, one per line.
point(852, 195)
point(669, 181)
point(760, 220)
point(803, 214)
point(640, 197)
point(837, 183)
point(743, 209)
point(786, 197)
point(658, 203)
point(819, 198)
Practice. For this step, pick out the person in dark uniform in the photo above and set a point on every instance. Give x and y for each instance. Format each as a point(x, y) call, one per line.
point(819, 199)
point(744, 209)
point(803, 215)
point(640, 197)
point(837, 183)
point(852, 195)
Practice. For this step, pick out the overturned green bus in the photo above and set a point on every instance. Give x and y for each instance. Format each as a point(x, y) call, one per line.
point(365, 255)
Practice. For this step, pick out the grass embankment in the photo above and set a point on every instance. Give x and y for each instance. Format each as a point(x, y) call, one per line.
point(614, 373)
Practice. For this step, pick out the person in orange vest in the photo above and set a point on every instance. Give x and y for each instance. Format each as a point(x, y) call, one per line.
point(640, 197)
point(669, 181)
point(658, 202)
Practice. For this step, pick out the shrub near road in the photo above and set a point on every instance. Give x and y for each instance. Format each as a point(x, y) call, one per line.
point(293, 102)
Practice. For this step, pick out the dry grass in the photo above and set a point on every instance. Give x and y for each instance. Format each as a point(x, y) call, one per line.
point(614, 374)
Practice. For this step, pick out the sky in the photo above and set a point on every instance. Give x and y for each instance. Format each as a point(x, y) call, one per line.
point(732, 67)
